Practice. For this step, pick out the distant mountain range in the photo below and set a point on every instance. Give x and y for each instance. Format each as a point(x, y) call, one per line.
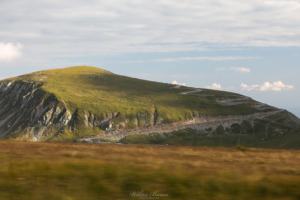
point(88, 104)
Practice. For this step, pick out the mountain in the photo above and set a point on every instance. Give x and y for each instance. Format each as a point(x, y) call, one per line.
point(88, 104)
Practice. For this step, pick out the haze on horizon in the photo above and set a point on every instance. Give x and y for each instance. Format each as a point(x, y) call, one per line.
point(250, 48)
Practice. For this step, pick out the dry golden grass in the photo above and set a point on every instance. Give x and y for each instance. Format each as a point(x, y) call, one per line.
point(93, 171)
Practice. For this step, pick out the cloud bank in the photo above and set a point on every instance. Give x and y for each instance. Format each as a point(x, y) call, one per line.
point(276, 86)
point(72, 28)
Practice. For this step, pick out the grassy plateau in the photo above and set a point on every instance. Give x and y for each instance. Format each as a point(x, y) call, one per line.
point(91, 171)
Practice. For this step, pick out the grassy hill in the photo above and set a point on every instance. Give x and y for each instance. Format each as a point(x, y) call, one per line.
point(99, 91)
point(75, 102)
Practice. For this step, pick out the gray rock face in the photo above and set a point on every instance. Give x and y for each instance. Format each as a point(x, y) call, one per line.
point(199, 123)
point(90, 120)
point(23, 107)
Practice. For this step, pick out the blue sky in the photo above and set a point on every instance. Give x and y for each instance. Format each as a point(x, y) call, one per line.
point(250, 48)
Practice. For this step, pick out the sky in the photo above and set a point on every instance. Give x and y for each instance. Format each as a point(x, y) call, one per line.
point(249, 47)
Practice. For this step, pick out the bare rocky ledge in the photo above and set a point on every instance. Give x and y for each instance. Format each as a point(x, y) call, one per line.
point(199, 123)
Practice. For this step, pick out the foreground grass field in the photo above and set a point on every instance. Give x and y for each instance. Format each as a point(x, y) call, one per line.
point(91, 171)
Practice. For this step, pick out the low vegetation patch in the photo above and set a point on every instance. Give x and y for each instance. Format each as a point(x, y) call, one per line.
point(240, 147)
point(269, 132)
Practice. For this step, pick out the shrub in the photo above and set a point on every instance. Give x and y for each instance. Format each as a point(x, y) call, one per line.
point(240, 147)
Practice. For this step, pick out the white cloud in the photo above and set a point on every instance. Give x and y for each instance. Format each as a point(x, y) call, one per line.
point(276, 86)
point(236, 69)
point(240, 69)
point(214, 86)
point(10, 51)
point(175, 83)
point(249, 88)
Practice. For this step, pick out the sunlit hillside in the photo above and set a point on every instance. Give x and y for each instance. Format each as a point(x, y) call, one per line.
point(77, 102)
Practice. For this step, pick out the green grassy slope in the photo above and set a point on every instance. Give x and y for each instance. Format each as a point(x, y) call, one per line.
point(87, 89)
point(99, 91)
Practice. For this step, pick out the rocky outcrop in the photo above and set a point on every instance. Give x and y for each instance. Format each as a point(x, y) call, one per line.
point(25, 106)
point(90, 120)
point(199, 122)
point(26, 109)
